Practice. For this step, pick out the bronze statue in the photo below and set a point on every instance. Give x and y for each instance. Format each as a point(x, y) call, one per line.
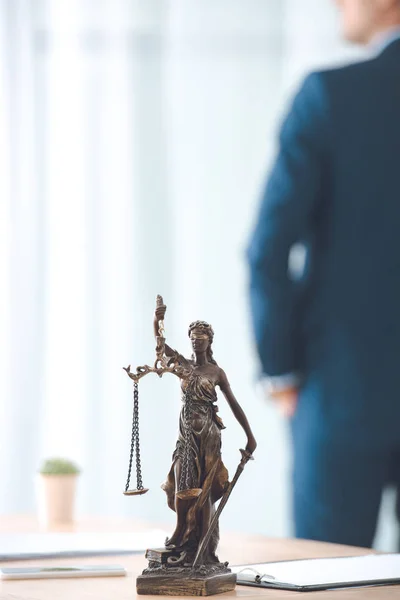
point(198, 477)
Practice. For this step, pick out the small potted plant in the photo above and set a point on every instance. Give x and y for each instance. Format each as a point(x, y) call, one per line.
point(56, 491)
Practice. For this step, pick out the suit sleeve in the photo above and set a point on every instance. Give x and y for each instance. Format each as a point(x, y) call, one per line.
point(290, 200)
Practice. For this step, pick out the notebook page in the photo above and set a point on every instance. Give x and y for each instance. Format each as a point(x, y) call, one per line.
point(327, 571)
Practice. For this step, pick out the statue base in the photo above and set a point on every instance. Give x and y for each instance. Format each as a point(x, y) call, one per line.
point(169, 575)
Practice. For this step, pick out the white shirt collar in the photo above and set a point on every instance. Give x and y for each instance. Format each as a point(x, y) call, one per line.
point(382, 40)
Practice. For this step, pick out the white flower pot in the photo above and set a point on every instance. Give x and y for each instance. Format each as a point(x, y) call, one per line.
point(56, 499)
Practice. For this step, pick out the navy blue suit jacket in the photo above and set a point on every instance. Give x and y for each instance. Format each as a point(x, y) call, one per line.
point(335, 187)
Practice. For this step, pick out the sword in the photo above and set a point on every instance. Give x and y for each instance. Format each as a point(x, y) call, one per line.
point(246, 456)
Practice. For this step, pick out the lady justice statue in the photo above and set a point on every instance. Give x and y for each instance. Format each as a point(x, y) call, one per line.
point(198, 477)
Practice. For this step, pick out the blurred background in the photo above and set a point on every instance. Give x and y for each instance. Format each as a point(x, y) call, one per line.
point(135, 136)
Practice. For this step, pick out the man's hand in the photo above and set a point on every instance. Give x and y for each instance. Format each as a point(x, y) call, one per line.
point(286, 400)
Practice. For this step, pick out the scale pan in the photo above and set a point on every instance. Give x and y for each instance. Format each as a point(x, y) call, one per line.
point(135, 492)
point(189, 494)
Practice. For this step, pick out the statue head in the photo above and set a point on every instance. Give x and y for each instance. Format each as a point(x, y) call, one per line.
point(201, 335)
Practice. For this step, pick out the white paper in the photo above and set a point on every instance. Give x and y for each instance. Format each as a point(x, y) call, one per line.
point(15, 546)
point(326, 571)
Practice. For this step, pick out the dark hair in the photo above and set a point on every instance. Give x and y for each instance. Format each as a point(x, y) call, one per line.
point(206, 327)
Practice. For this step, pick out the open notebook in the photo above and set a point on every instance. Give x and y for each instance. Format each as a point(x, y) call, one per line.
point(322, 573)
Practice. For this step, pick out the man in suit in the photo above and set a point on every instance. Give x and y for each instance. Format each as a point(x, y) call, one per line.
point(329, 341)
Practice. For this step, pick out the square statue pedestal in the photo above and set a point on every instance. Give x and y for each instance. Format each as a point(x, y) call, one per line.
point(169, 575)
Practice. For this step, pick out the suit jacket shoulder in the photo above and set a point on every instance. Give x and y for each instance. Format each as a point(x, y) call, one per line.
point(360, 74)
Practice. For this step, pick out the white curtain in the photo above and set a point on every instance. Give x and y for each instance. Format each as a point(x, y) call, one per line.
point(134, 138)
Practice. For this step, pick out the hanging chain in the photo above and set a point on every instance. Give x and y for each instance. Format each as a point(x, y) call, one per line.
point(139, 481)
point(186, 473)
point(135, 443)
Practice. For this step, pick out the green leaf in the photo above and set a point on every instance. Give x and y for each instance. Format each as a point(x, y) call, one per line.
point(59, 466)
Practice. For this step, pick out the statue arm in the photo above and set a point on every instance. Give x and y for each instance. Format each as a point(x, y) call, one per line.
point(158, 330)
point(237, 411)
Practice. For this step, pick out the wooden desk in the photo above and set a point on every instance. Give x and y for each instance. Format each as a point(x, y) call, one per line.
point(237, 548)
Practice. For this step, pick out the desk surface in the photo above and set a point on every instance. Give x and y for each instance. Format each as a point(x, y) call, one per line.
point(237, 548)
